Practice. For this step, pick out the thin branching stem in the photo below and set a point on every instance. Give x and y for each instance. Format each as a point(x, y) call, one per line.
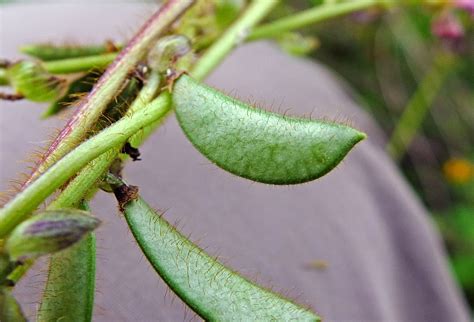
point(85, 180)
point(234, 36)
point(34, 194)
point(110, 82)
point(311, 16)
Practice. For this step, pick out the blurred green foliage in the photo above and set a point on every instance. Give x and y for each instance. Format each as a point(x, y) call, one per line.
point(384, 56)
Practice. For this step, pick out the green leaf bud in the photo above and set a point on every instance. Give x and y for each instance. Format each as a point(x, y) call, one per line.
point(32, 81)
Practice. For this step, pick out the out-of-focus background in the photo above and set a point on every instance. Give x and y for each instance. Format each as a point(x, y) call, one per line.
point(412, 68)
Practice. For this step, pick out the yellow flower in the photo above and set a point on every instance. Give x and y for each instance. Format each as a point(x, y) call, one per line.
point(458, 170)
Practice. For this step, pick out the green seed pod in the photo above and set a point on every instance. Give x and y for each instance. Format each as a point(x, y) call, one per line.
point(49, 232)
point(10, 310)
point(167, 51)
point(210, 289)
point(32, 81)
point(256, 144)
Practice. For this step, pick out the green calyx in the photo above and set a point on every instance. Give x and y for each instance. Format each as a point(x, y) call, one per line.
point(49, 232)
point(32, 81)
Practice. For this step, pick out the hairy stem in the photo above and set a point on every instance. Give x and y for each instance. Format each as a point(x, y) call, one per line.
point(86, 179)
point(89, 175)
point(77, 188)
point(311, 16)
point(31, 197)
point(72, 267)
point(109, 83)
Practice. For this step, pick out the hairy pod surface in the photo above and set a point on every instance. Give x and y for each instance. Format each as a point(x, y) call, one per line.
point(256, 144)
point(212, 290)
point(69, 291)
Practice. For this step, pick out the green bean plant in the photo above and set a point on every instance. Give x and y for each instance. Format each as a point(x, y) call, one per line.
point(120, 93)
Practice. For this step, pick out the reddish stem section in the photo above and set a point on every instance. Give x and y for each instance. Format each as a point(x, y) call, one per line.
point(92, 105)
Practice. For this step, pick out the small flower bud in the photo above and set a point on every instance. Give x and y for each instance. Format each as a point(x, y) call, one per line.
point(447, 26)
point(449, 30)
point(49, 232)
point(167, 51)
point(32, 81)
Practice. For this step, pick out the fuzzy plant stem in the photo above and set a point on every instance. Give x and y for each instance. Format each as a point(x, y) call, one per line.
point(110, 82)
point(72, 269)
point(34, 194)
point(85, 180)
point(311, 16)
point(204, 66)
point(77, 188)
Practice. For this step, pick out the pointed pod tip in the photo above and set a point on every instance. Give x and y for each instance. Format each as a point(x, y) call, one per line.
point(360, 136)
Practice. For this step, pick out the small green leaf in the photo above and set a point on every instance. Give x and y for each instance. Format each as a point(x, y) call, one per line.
point(49, 232)
point(31, 80)
point(212, 290)
point(256, 144)
point(10, 310)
